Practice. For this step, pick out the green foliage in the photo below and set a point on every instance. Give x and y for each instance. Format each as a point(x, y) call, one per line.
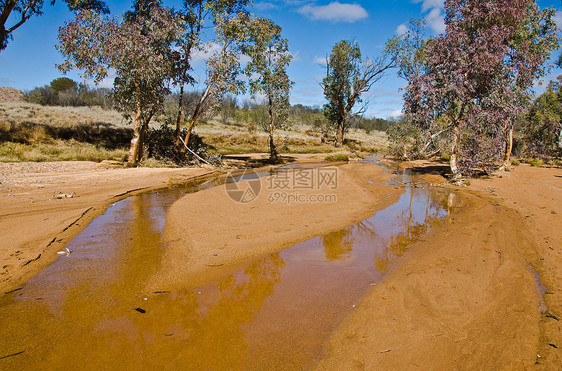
point(338, 157)
point(348, 76)
point(267, 72)
point(406, 140)
point(536, 162)
point(541, 128)
point(84, 96)
point(342, 76)
point(19, 11)
point(409, 49)
point(139, 49)
point(63, 84)
point(370, 124)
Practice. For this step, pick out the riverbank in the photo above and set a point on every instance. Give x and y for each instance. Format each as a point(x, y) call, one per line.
point(43, 205)
point(463, 296)
point(208, 234)
point(466, 296)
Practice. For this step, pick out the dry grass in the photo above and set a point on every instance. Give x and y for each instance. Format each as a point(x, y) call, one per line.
point(31, 132)
point(18, 112)
point(229, 139)
point(58, 151)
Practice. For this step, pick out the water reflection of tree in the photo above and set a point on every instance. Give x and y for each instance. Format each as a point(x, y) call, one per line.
point(211, 335)
point(338, 245)
point(410, 229)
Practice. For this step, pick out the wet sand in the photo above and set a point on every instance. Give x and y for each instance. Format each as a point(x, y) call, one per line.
point(37, 219)
point(463, 296)
point(466, 296)
point(208, 235)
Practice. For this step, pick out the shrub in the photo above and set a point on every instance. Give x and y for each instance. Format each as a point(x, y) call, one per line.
point(337, 157)
point(536, 162)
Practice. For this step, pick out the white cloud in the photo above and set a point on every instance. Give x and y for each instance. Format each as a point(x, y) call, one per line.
point(320, 60)
point(265, 6)
point(335, 12)
point(402, 29)
point(436, 20)
point(395, 113)
point(430, 4)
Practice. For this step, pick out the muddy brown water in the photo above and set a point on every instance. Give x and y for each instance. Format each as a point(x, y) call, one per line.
point(87, 310)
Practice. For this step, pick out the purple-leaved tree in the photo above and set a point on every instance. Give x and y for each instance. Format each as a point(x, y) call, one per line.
point(478, 76)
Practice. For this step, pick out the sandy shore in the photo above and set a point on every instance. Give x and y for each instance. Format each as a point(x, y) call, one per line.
point(463, 296)
point(43, 205)
point(209, 235)
point(37, 218)
point(466, 297)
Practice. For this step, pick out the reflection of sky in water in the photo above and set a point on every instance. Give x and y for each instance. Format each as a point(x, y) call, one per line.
point(277, 310)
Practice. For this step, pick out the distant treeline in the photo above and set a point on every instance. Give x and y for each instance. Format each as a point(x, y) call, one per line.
point(66, 92)
point(230, 110)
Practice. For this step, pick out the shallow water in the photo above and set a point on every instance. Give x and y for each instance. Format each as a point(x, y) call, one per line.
point(87, 310)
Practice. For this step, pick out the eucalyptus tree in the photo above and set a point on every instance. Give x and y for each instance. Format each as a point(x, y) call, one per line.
point(20, 11)
point(348, 76)
point(138, 48)
point(541, 128)
point(267, 71)
point(477, 77)
point(224, 63)
point(409, 49)
point(196, 13)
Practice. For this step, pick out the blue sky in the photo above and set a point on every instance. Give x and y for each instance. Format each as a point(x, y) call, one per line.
point(312, 28)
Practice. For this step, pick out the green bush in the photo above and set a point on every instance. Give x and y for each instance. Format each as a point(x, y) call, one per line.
point(337, 157)
point(536, 162)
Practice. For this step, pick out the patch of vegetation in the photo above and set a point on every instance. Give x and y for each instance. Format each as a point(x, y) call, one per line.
point(30, 126)
point(58, 151)
point(536, 162)
point(338, 157)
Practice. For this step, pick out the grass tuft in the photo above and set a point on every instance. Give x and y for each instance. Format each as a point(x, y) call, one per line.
point(58, 151)
point(338, 157)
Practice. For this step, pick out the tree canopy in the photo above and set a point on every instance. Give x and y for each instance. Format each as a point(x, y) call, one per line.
point(137, 48)
point(23, 10)
point(348, 76)
point(267, 71)
point(478, 77)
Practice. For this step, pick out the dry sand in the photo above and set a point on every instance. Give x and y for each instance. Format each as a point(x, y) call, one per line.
point(464, 296)
point(37, 219)
point(210, 235)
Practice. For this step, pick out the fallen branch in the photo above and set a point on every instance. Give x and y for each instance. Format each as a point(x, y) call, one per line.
point(76, 221)
point(131, 191)
point(11, 355)
point(32, 260)
point(193, 153)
